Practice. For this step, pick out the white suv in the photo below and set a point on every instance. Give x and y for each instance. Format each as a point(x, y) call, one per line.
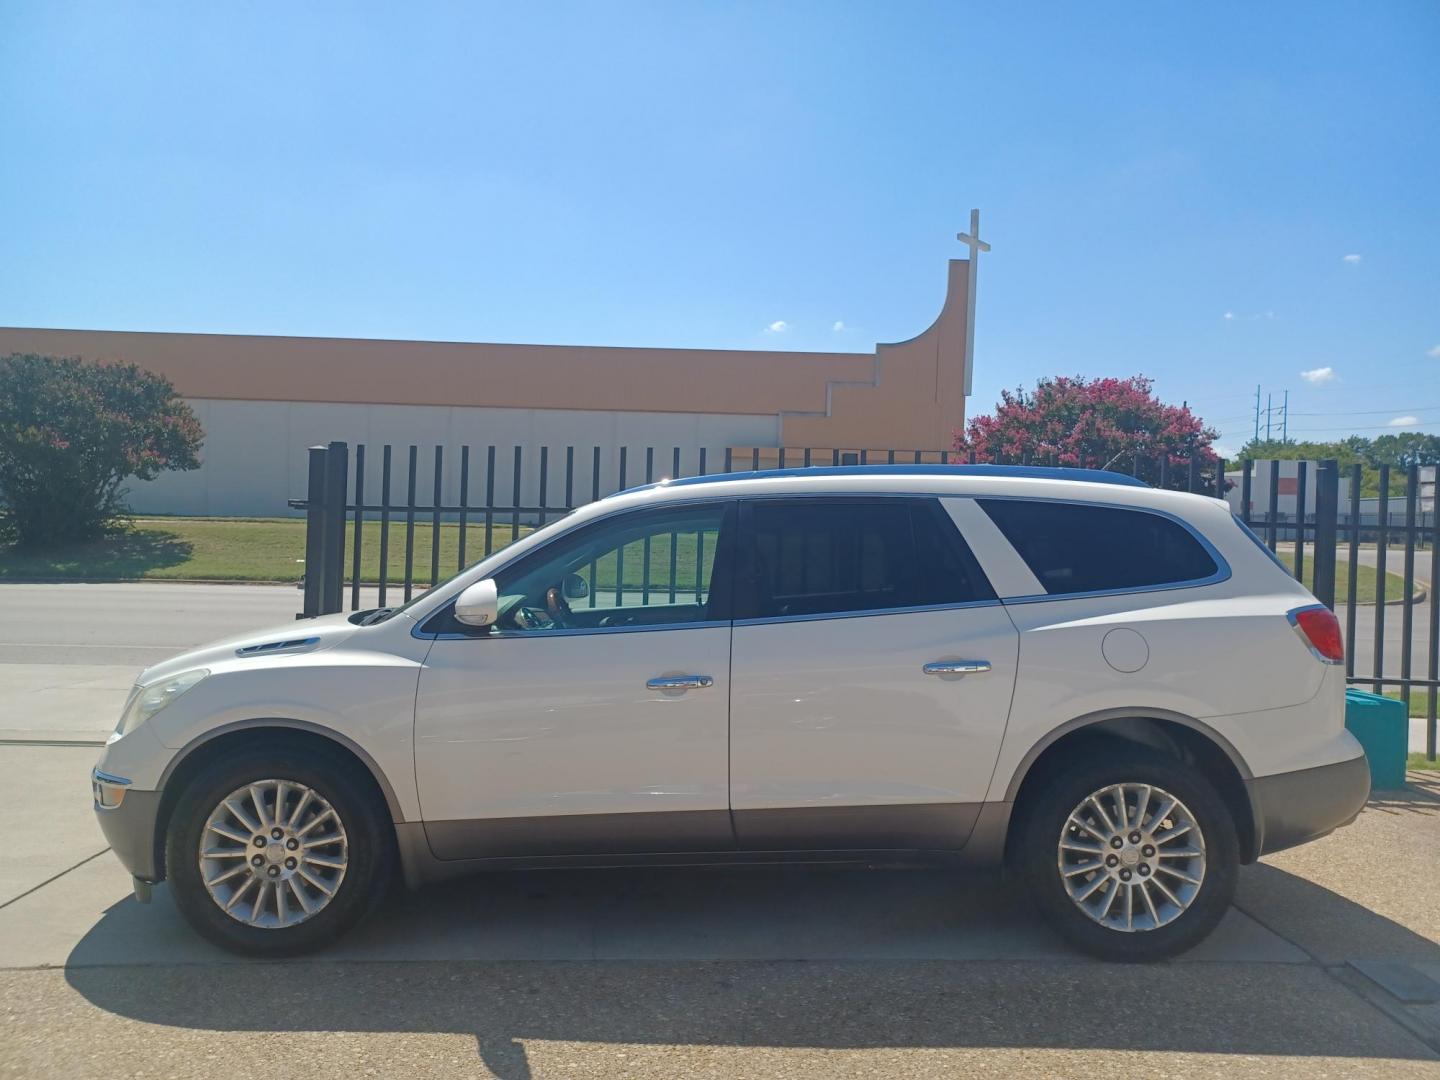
point(1115, 690)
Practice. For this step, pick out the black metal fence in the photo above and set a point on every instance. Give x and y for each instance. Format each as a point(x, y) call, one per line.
point(1376, 569)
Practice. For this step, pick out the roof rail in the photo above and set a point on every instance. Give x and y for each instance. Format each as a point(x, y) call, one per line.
point(1026, 472)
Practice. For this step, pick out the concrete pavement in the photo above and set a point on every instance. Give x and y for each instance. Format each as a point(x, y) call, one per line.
point(764, 971)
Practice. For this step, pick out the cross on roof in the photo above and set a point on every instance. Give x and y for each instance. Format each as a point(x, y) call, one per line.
point(976, 245)
point(972, 238)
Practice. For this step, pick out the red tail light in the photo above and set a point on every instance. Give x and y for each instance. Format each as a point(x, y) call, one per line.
point(1320, 630)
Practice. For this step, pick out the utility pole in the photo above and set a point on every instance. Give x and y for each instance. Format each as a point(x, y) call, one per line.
point(1267, 416)
point(1257, 412)
point(1285, 419)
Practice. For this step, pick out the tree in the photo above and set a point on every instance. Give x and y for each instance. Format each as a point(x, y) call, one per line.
point(71, 432)
point(1114, 424)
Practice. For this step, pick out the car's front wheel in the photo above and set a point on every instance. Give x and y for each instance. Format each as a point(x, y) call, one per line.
point(272, 853)
point(1129, 855)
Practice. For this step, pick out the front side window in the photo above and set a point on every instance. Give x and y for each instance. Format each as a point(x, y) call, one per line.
point(1076, 548)
point(637, 569)
point(812, 556)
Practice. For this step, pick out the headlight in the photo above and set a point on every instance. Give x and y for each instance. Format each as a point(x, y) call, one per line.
point(149, 700)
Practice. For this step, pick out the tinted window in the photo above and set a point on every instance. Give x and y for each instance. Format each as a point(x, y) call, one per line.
point(1074, 548)
point(818, 557)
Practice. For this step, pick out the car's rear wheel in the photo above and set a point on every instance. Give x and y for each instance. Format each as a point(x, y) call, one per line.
point(1129, 855)
point(273, 853)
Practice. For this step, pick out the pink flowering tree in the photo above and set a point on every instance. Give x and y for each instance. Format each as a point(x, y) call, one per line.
point(71, 434)
point(1115, 424)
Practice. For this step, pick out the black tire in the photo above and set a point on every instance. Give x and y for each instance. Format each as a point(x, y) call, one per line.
point(350, 792)
point(1044, 819)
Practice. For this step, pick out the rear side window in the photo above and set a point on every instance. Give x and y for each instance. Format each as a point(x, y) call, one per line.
point(1075, 548)
point(833, 556)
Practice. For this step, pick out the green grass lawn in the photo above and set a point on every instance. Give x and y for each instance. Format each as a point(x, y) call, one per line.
point(1420, 761)
point(1364, 585)
point(238, 549)
point(1419, 698)
point(273, 549)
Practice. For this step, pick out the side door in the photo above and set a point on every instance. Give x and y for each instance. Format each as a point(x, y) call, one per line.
point(871, 676)
point(593, 717)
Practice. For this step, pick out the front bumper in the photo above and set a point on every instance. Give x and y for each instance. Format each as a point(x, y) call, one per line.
point(130, 831)
point(1296, 807)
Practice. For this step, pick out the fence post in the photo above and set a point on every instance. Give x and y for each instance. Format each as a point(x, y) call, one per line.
point(332, 577)
point(314, 532)
point(1327, 529)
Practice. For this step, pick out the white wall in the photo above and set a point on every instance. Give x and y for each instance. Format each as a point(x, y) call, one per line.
point(1288, 495)
point(254, 457)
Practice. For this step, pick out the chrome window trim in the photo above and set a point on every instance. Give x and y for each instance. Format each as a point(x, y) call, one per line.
point(577, 631)
point(868, 613)
point(1222, 567)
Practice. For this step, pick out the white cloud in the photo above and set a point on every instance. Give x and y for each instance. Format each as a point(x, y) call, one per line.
point(1405, 421)
point(839, 327)
point(779, 326)
point(1435, 352)
point(1228, 315)
point(1351, 259)
point(1319, 375)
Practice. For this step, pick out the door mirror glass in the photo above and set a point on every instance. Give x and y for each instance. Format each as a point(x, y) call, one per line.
point(576, 587)
point(478, 605)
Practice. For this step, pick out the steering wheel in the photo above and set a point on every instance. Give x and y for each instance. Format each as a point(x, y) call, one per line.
point(557, 606)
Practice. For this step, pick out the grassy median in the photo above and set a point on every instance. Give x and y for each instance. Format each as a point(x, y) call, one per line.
point(1365, 584)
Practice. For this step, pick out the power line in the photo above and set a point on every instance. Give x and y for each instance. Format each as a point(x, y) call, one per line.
point(1373, 412)
point(1381, 427)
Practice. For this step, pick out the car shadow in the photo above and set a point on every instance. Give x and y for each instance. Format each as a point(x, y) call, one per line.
point(773, 957)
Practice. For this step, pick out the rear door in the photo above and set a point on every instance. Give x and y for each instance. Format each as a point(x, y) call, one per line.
point(871, 674)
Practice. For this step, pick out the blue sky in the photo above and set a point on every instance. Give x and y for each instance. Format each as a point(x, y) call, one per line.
point(1214, 195)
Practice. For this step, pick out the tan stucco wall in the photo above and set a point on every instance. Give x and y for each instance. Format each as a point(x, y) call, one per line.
point(903, 396)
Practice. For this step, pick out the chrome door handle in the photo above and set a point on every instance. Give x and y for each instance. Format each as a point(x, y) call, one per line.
point(957, 667)
point(680, 682)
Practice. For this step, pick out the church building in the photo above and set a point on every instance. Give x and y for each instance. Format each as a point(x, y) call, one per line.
point(262, 400)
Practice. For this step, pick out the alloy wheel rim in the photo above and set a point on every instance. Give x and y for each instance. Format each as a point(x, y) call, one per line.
point(1132, 857)
point(273, 853)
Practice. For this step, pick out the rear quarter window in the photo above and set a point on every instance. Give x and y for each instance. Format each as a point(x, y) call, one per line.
point(1077, 548)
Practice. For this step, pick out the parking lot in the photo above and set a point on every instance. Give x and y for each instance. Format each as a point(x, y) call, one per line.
point(1329, 964)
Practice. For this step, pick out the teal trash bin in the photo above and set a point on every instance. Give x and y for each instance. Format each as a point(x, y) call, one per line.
point(1383, 729)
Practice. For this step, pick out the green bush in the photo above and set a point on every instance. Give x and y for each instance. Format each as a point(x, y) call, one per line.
point(71, 433)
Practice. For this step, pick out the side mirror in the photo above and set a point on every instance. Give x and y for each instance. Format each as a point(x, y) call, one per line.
point(575, 587)
point(478, 605)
